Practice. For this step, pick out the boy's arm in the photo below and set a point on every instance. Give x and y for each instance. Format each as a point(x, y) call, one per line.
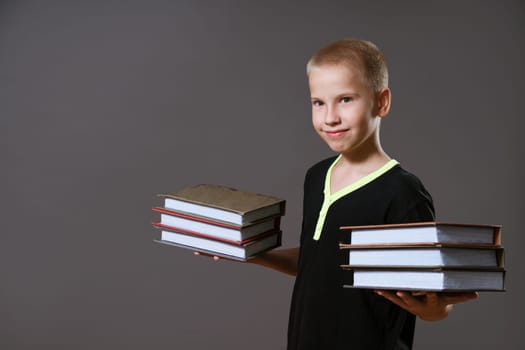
point(428, 306)
point(282, 260)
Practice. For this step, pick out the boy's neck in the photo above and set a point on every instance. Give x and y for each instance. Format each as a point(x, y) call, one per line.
point(369, 155)
point(352, 168)
point(361, 166)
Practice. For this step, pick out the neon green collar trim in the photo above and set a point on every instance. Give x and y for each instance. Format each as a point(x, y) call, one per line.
point(330, 198)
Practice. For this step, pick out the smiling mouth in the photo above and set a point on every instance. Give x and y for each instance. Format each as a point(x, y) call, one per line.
point(336, 133)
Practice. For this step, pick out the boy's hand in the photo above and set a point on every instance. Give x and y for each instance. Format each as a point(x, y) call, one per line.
point(215, 257)
point(429, 306)
point(283, 260)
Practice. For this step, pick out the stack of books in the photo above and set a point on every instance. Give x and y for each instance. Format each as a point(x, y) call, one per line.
point(425, 256)
point(220, 221)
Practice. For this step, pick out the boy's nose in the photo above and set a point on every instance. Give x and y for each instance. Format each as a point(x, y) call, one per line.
point(331, 117)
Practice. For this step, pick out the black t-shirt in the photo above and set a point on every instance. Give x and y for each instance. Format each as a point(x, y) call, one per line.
point(326, 316)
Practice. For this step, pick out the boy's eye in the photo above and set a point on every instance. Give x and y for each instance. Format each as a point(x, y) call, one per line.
point(346, 99)
point(317, 103)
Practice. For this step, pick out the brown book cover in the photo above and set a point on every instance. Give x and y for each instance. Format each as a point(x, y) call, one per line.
point(247, 206)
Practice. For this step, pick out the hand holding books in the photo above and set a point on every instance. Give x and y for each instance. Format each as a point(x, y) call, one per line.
point(282, 260)
point(429, 306)
point(220, 221)
point(424, 268)
point(429, 256)
point(215, 257)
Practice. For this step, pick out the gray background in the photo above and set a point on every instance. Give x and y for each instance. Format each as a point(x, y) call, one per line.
point(106, 103)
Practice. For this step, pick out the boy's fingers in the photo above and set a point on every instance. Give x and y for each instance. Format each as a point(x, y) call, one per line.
point(432, 298)
point(454, 298)
point(390, 296)
point(407, 298)
point(215, 258)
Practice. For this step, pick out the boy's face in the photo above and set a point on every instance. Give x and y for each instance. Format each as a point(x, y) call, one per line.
point(343, 106)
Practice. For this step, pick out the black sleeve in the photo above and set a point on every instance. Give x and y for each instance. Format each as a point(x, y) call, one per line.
point(412, 204)
point(422, 211)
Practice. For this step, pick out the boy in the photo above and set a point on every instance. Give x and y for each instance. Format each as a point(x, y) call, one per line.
point(348, 83)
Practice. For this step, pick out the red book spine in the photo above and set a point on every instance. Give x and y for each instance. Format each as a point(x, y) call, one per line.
point(159, 225)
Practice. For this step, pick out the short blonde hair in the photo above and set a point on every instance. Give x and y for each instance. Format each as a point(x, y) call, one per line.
point(351, 51)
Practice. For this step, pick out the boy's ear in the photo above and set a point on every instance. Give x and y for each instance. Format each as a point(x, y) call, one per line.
point(384, 98)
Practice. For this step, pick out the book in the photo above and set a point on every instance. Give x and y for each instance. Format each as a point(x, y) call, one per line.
point(214, 228)
point(161, 226)
point(224, 204)
point(421, 232)
point(430, 255)
point(443, 279)
point(228, 250)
